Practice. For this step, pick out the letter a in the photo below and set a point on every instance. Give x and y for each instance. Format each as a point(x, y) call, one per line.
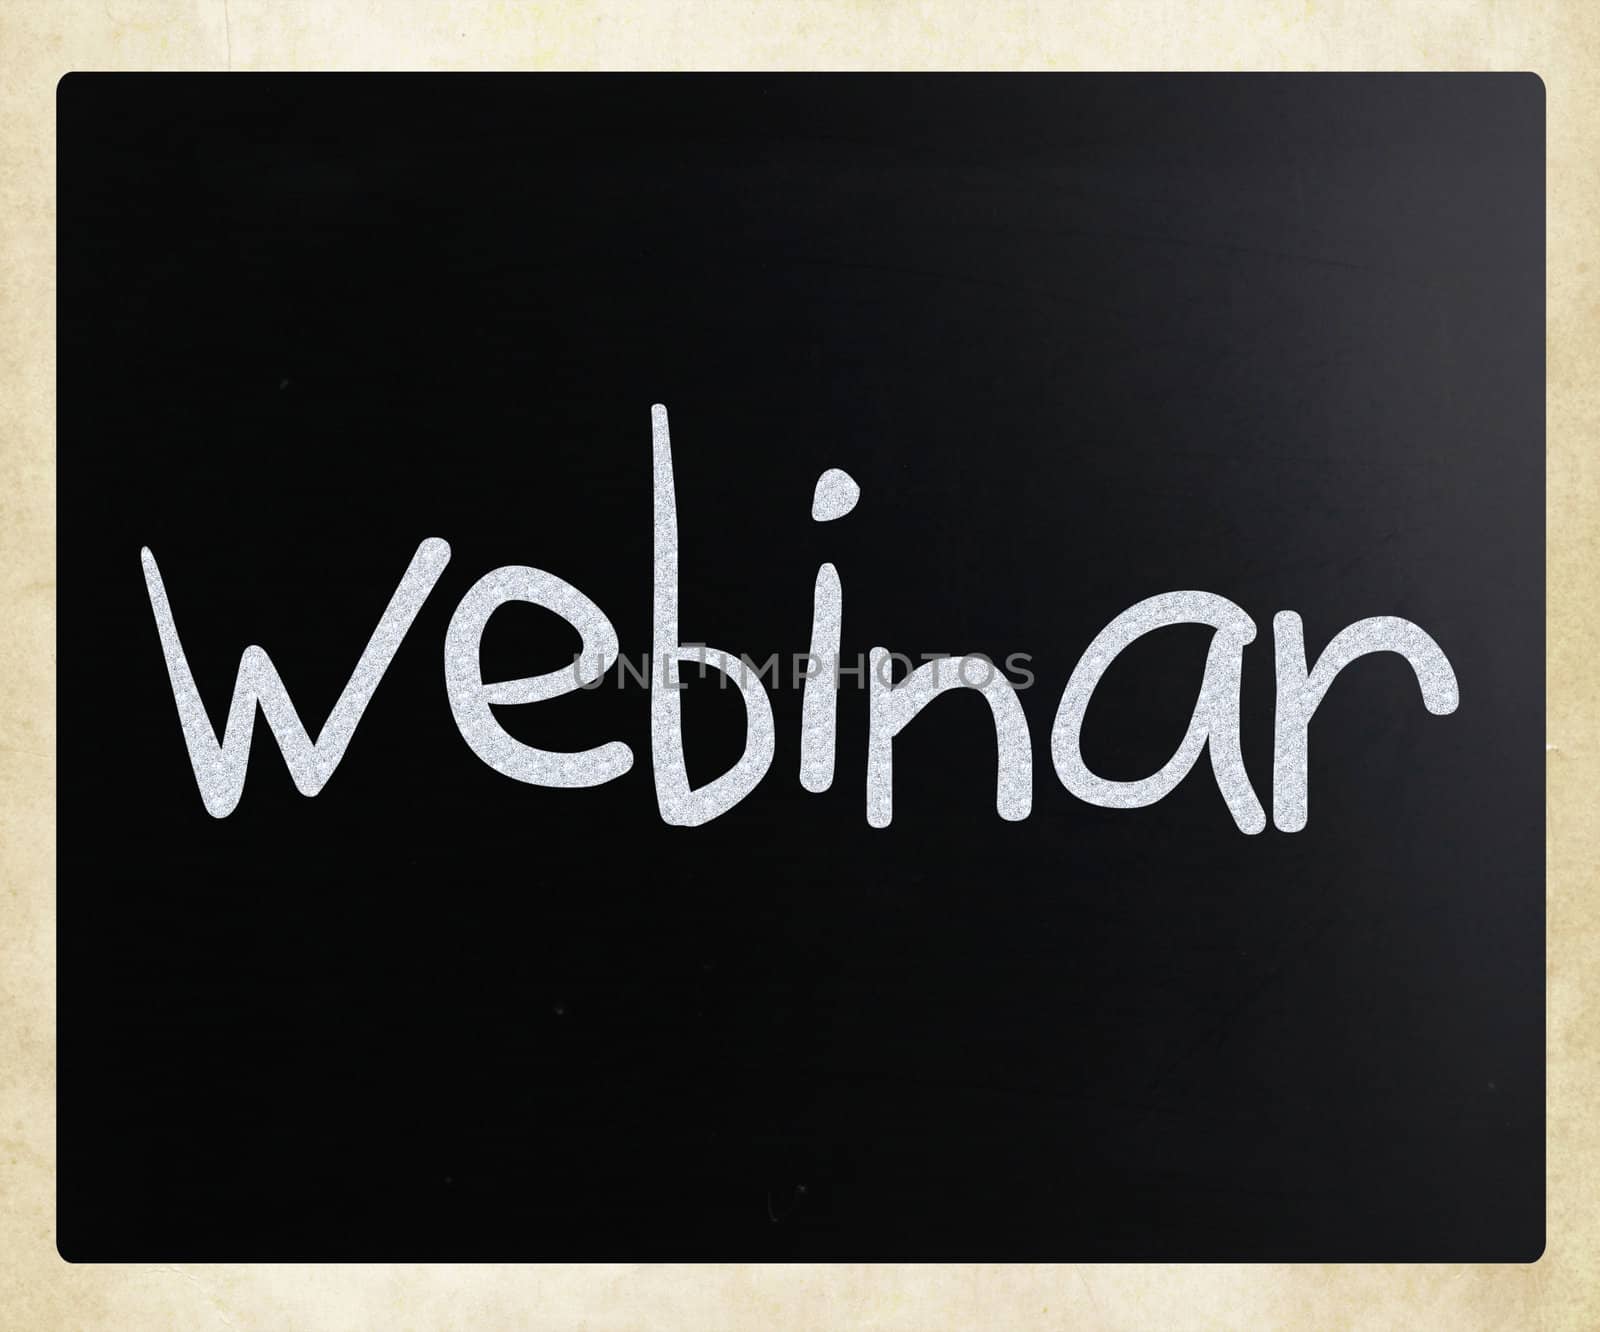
point(1214, 723)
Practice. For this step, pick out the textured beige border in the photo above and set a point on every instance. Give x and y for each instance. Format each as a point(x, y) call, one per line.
point(41, 39)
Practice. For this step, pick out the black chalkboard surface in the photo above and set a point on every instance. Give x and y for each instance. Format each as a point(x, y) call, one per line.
point(1079, 342)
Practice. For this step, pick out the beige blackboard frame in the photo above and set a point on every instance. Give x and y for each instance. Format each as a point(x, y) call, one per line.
point(42, 39)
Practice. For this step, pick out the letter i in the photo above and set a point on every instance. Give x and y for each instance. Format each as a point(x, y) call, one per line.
point(836, 495)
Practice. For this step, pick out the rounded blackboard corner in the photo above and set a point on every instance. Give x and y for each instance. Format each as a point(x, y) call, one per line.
point(66, 83)
point(1533, 81)
point(1536, 1255)
point(66, 1252)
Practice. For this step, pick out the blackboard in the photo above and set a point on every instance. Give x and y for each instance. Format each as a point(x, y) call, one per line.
point(1079, 341)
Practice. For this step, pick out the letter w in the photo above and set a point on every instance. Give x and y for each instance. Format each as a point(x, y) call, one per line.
point(219, 769)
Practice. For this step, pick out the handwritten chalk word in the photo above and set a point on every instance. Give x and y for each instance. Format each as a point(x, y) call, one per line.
point(219, 767)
